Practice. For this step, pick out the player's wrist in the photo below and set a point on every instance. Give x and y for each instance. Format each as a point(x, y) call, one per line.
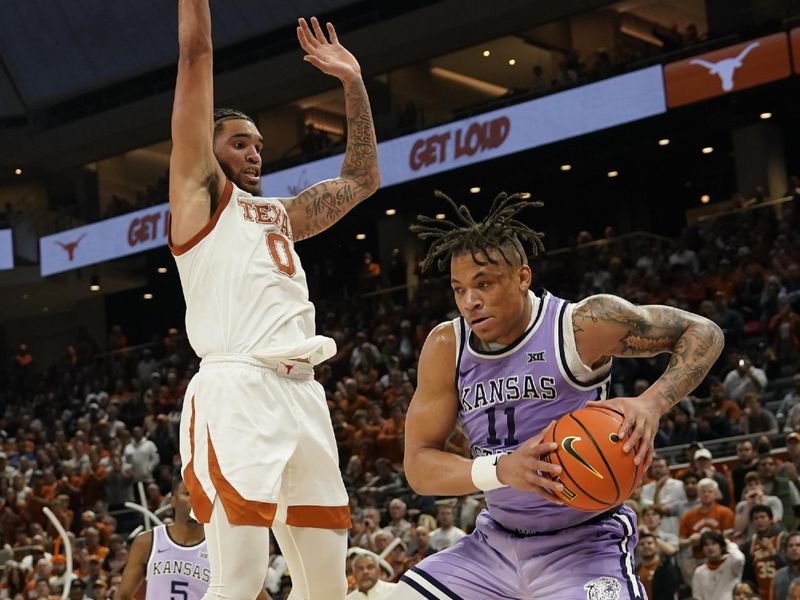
point(484, 473)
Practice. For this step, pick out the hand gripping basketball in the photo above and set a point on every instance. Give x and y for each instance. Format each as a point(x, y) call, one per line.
point(525, 470)
point(639, 427)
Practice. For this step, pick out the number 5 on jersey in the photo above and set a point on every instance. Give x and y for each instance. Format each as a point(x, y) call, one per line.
point(281, 251)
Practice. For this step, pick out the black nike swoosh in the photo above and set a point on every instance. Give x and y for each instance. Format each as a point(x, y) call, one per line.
point(568, 443)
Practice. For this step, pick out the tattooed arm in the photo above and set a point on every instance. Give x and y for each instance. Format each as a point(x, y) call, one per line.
point(321, 205)
point(607, 326)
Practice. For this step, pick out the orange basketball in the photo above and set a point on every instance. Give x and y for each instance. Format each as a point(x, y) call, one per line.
point(596, 473)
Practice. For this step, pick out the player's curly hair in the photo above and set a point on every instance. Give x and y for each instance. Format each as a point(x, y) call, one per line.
point(498, 231)
point(226, 114)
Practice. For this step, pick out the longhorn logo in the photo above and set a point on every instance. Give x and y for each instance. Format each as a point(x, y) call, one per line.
point(726, 67)
point(70, 247)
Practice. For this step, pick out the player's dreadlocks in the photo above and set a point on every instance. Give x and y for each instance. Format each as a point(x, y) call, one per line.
point(497, 231)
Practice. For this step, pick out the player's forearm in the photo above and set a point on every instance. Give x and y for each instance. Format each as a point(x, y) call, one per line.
point(693, 355)
point(432, 472)
point(361, 155)
point(194, 29)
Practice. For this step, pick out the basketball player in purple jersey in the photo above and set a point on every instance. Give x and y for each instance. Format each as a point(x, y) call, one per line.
point(173, 559)
point(511, 364)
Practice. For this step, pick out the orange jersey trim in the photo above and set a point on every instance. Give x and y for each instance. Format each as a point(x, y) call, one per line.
point(201, 504)
point(239, 510)
point(198, 237)
point(321, 517)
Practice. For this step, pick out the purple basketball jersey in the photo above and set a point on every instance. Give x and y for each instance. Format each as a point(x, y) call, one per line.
point(510, 395)
point(523, 547)
point(175, 571)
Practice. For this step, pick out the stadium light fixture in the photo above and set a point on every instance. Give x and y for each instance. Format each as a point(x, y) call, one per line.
point(705, 198)
point(361, 236)
point(708, 150)
point(440, 216)
point(612, 174)
point(663, 142)
point(512, 61)
point(147, 296)
point(17, 171)
point(566, 167)
point(162, 270)
point(390, 212)
point(94, 284)
point(487, 53)
point(766, 115)
point(475, 190)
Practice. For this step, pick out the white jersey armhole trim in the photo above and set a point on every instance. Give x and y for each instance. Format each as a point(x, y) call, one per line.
point(580, 372)
point(153, 544)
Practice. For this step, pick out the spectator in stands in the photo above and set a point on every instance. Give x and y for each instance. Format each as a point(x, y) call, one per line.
point(790, 468)
point(447, 533)
point(745, 590)
point(754, 496)
point(748, 461)
point(789, 572)
point(690, 480)
point(142, 455)
point(781, 487)
point(785, 414)
point(784, 328)
point(710, 515)
point(387, 482)
point(422, 548)
point(763, 549)
point(756, 418)
point(665, 493)
point(683, 429)
point(704, 464)
point(744, 379)
point(683, 256)
point(652, 524)
point(722, 569)
point(721, 404)
point(368, 582)
point(398, 524)
point(729, 320)
point(657, 573)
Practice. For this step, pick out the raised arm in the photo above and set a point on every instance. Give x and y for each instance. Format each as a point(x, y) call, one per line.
point(430, 421)
point(607, 326)
point(195, 177)
point(321, 205)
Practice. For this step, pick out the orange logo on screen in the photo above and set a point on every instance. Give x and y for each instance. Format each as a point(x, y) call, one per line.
point(728, 70)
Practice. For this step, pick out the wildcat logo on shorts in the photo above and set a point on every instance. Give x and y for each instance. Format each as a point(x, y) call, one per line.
point(603, 588)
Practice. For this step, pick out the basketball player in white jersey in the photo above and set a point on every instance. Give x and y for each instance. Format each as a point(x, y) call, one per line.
point(173, 559)
point(257, 444)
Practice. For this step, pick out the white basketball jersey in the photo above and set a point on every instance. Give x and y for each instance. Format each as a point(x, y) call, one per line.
point(175, 571)
point(245, 290)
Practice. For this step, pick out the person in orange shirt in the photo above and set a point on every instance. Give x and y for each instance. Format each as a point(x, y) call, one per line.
point(93, 544)
point(709, 516)
point(391, 437)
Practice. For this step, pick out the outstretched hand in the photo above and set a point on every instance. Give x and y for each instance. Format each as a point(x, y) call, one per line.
point(330, 57)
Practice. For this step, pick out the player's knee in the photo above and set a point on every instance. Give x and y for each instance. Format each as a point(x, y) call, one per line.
point(243, 586)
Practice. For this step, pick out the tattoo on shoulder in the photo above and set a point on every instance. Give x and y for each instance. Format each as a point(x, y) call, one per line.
point(695, 343)
point(643, 333)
